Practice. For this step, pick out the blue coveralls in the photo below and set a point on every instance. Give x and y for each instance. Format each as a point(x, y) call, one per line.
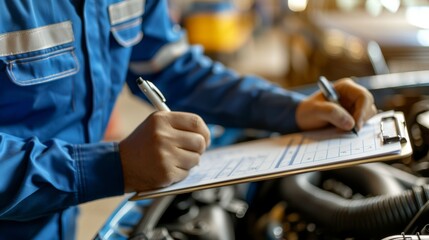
point(62, 65)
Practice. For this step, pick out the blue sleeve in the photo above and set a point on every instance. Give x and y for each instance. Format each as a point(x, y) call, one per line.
point(39, 178)
point(193, 82)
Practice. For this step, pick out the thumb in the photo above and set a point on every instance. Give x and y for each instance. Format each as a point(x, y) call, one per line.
point(337, 116)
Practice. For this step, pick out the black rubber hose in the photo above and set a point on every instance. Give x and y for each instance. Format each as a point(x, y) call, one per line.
point(384, 214)
point(373, 179)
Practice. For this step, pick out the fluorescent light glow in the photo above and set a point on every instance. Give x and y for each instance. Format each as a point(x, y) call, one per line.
point(297, 5)
point(391, 5)
point(334, 42)
point(423, 37)
point(355, 48)
point(348, 5)
point(373, 7)
point(418, 16)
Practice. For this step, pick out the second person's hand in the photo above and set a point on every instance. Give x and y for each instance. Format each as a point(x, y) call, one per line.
point(357, 106)
point(162, 150)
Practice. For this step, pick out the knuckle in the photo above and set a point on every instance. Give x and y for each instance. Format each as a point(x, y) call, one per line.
point(348, 80)
point(158, 137)
point(196, 121)
point(166, 177)
point(157, 119)
point(344, 83)
point(190, 162)
point(200, 143)
point(370, 96)
point(157, 115)
point(195, 160)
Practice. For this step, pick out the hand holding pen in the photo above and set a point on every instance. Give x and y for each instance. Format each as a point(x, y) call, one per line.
point(330, 94)
point(344, 104)
point(164, 147)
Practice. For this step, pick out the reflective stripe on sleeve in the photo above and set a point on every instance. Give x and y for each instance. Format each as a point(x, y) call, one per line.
point(35, 39)
point(165, 55)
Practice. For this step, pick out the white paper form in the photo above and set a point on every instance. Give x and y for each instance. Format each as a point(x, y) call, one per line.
point(286, 153)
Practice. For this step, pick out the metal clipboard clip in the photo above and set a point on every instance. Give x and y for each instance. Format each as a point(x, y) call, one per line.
point(392, 130)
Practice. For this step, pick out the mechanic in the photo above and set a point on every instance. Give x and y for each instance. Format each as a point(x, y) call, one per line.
point(63, 64)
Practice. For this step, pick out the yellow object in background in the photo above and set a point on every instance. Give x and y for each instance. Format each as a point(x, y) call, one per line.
point(218, 31)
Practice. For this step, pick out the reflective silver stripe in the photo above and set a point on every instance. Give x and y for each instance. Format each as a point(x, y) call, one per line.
point(35, 39)
point(126, 10)
point(165, 55)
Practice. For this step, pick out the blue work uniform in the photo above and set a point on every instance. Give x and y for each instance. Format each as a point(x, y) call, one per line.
point(62, 65)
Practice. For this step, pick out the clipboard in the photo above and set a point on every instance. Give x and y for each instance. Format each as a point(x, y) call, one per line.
point(383, 138)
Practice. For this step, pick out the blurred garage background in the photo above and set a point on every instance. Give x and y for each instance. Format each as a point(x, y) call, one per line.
point(292, 43)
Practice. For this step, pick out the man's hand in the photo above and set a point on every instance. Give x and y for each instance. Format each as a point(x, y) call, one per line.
point(357, 106)
point(162, 150)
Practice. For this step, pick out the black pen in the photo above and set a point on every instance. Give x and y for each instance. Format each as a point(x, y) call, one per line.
point(330, 94)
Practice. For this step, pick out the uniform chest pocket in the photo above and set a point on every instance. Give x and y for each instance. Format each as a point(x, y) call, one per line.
point(38, 67)
point(126, 20)
point(43, 68)
point(40, 54)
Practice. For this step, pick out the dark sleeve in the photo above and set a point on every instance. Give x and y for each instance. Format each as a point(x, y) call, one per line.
point(192, 82)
